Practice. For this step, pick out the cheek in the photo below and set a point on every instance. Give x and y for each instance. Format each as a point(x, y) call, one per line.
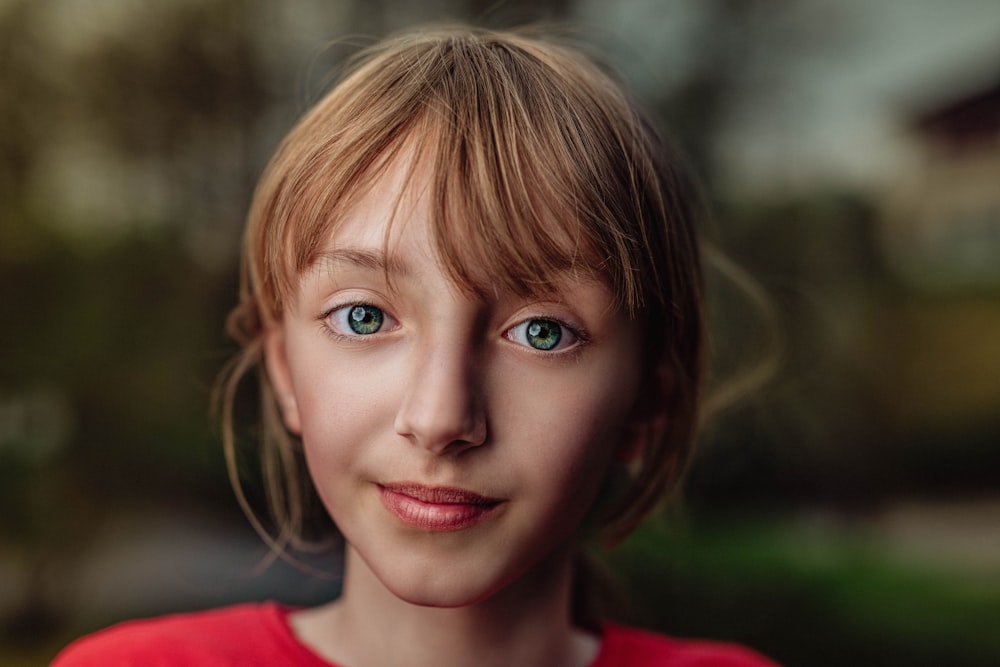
point(340, 426)
point(336, 392)
point(569, 434)
point(344, 407)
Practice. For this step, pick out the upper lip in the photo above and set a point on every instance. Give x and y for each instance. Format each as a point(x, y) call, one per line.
point(439, 495)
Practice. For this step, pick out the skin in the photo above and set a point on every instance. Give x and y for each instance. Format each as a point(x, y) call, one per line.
point(449, 392)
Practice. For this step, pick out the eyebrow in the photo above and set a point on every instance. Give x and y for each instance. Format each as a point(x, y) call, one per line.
point(363, 258)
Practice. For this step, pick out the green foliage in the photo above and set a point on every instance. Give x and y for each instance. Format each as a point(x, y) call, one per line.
point(808, 594)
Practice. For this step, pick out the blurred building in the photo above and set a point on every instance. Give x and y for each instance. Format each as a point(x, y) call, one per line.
point(943, 228)
point(934, 334)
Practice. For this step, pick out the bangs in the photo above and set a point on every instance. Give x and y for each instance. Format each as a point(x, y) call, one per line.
point(526, 168)
point(498, 225)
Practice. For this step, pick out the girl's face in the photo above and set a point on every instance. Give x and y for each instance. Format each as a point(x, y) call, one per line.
point(456, 442)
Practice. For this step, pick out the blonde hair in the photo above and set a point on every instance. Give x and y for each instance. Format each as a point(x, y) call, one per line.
point(539, 163)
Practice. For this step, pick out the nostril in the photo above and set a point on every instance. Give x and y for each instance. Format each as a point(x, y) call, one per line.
point(441, 416)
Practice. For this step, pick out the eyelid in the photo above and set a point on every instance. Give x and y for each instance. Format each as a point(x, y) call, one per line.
point(579, 335)
point(390, 323)
point(552, 314)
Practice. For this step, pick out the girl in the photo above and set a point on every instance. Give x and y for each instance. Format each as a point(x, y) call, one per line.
point(472, 290)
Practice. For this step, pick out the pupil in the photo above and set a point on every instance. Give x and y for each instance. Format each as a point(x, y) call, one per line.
point(543, 335)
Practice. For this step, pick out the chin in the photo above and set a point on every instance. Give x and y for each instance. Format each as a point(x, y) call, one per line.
point(444, 595)
point(449, 588)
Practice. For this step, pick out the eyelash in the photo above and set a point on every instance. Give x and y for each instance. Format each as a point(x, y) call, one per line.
point(341, 336)
point(580, 335)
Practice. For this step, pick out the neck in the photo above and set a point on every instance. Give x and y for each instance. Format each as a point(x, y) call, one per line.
point(527, 623)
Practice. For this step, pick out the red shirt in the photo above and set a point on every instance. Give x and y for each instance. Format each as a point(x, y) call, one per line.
point(258, 635)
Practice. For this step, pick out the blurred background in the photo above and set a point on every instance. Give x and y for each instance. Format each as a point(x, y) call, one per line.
point(847, 512)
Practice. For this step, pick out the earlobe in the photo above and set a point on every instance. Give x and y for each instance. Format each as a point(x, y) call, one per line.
point(649, 418)
point(641, 432)
point(276, 363)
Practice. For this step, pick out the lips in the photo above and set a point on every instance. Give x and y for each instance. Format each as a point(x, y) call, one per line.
point(436, 508)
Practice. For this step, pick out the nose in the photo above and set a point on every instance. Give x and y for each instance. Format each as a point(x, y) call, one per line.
point(443, 409)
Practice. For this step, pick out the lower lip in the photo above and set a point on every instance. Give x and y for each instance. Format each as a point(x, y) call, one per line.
point(436, 517)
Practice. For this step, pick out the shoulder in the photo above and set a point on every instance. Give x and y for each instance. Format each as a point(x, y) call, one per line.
point(627, 647)
point(248, 634)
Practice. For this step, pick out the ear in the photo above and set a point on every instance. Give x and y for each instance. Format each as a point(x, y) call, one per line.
point(649, 417)
point(278, 372)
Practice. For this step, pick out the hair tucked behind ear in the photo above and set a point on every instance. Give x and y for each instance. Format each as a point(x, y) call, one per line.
point(288, 493)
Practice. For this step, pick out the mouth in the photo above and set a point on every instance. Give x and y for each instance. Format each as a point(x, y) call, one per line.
point(436, 508)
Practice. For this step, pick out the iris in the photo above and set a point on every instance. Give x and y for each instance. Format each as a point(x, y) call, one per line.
point(365, 319)
point(543, 334)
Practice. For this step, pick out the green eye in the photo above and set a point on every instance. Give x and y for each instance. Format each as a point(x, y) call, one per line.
point(543, 334)
point(364, 320)
point(357, 320)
